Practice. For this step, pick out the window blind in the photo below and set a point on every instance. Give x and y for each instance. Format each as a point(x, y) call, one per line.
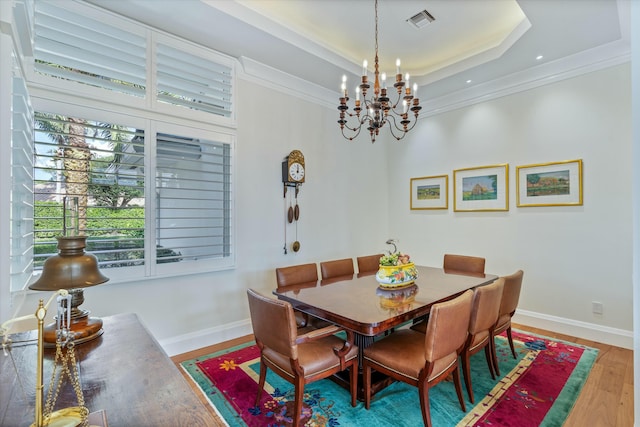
point(21, 228)
point(193, 186)
point(78, 47)
point(193, 81)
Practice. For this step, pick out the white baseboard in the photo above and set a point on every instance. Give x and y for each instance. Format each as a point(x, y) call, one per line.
point(206, 337)
point(589, 331)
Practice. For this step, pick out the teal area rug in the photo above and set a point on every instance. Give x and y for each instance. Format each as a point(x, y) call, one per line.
point(539, 388)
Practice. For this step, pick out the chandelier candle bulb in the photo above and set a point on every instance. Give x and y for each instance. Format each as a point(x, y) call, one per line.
point(415, 90)
point(364, 67)
point(398, 66)
point(357, 94)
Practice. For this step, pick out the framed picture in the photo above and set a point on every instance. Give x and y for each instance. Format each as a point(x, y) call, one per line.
point(549, 184)
point(430, 192)
point(484, 188)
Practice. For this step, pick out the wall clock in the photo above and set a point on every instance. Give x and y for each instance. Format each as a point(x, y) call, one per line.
point(293, 175)
point(293, 169)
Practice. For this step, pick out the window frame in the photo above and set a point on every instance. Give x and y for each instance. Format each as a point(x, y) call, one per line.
point(73, 99)
point(98, 111)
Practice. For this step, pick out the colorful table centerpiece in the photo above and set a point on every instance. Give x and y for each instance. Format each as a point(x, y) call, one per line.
point(396, 270)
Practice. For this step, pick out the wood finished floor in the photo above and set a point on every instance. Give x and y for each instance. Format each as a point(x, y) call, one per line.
point(606, 399)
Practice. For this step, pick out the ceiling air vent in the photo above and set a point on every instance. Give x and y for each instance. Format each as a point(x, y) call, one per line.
point(421, 19)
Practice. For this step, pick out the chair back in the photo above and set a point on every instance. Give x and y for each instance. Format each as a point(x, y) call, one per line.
point(485, 307)
point(448, 327)
point(368, 264)
point(340, 268)
point(297, 275)
point(464, 263)
point(274, 324)
point(510, 295)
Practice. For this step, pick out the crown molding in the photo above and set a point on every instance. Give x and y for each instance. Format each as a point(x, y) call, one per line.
point(585, 62)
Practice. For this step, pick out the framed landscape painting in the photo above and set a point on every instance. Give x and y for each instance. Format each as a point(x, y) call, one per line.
point(550, 184)
point(430, 192)
point(484, 188)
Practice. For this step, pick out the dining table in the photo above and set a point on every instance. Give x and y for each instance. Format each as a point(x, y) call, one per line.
point(370, 309)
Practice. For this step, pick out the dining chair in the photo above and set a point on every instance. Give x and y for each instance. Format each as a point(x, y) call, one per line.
point(423, 360)
point(463, 263)
point(484, 314)
point(368, 264)
point(333, 271)
point(508, 305)
point(453, 264)
point(297, 277)
point(299, 359)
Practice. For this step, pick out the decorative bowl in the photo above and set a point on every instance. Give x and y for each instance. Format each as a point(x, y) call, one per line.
point(393, 276)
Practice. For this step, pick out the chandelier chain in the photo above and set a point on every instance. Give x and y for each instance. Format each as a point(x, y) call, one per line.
point(376, 12)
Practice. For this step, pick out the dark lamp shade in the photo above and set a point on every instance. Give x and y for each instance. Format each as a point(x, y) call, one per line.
point(71, 268)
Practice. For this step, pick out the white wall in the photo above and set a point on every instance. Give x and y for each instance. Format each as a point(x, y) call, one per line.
point(571, 256)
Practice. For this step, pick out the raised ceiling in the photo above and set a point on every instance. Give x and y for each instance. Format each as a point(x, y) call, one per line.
point(470, 43)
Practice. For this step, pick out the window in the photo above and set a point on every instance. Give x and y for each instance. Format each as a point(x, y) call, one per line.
point(84, 159)
point(142, 134)
point(103, 165)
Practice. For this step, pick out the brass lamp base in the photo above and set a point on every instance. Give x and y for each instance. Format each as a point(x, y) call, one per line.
point(83, 327)
point(83, 330)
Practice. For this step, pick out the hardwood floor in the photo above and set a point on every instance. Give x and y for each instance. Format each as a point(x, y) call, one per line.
point(606, 399)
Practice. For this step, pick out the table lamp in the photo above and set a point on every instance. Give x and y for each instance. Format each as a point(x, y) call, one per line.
point(72, 269)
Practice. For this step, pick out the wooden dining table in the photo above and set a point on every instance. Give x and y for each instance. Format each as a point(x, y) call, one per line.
point(363, 306)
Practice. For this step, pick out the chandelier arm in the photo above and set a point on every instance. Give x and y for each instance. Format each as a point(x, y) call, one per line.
point(393, 125)
point(356, 130)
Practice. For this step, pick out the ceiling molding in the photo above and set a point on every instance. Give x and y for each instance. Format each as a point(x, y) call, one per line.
point(575, 65)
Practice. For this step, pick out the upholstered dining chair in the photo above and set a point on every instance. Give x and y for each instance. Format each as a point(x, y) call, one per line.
point(484, 314)
point(508, 305)
point(297, 276)
point(299, 359)
point(368, 264)
point(333, 271)
point(463, 263)
point(423, 360)
point(454, 264)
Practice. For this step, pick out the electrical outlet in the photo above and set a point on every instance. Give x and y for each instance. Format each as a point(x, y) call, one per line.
point(596, 307)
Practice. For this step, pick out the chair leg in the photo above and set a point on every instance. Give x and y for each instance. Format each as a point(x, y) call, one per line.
point(366, 378)
point(489, 356)
point(353, 370)
point(513, 350)
point(495, 355)
point(299, 394)
point(423, 391)
point(466, 370)
point(263, 376)
point(456, 381)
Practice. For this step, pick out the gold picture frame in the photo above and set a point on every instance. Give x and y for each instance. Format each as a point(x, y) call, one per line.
point(429, 192)
point(482, 188)
point(550, 184)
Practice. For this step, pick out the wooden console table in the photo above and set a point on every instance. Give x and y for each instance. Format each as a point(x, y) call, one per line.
point(124, 372)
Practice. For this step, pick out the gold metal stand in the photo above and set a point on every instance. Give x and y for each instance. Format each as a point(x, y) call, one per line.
point(67, 417)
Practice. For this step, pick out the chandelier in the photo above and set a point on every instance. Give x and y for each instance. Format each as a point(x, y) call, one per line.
point(377, 111)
